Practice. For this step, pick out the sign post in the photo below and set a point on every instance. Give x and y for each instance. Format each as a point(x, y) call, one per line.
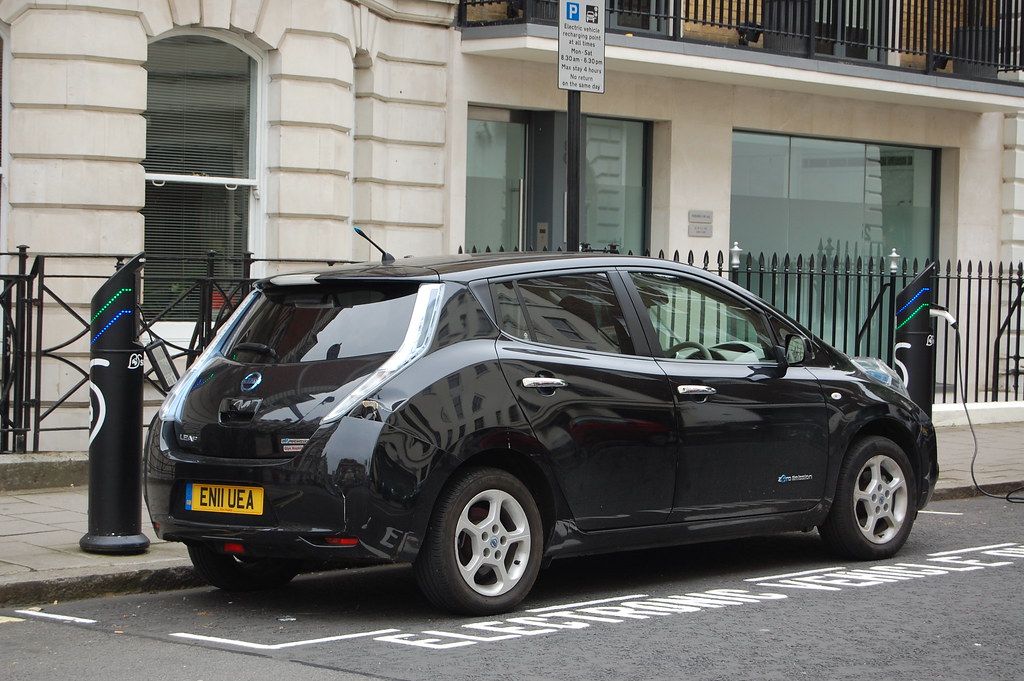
point(580, 69)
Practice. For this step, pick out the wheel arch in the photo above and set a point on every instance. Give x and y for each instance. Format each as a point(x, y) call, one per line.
point(900, 434)
point(523, 467)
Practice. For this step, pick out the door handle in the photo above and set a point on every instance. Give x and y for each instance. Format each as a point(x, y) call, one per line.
point(543, 382)
point(696, 390)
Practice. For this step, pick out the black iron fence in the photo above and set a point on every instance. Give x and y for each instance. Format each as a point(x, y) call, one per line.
point(44, 374)
point(976, 38)
point(849, 302)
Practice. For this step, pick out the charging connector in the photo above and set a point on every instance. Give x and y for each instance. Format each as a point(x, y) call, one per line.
point(939, 312)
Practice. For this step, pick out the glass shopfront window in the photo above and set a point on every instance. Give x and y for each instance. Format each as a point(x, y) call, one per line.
point(808, 196)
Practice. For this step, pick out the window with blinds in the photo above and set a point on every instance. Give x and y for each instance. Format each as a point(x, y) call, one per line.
point(199, 174)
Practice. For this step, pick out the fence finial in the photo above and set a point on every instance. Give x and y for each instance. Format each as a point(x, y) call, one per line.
point(734, 255)
point(894, 261)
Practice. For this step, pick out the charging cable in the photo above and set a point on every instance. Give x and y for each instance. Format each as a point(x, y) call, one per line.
point(1013, 496)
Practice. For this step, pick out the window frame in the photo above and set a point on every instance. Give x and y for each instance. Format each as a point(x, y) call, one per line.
point(180, 332)
point(651, 333)
point(632, 324)
point(255, 234)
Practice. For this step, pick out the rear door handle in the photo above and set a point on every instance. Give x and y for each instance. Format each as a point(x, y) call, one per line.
point(544, 382)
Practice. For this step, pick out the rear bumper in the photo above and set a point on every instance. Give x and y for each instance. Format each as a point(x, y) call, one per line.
point(321, 495)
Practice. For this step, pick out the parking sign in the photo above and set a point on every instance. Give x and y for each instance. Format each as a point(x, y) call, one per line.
point(581, 45)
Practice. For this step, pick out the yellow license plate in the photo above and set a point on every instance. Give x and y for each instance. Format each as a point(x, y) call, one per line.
point(224, 499)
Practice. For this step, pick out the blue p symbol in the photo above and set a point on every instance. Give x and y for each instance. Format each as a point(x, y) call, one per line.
point(572, 11)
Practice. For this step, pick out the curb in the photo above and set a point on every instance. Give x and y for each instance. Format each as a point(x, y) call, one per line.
point(998, 489)
point(95, 585)
point(43, 470)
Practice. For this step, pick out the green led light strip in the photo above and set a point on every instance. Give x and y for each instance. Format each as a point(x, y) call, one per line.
point(912, 315)
point(109, 303)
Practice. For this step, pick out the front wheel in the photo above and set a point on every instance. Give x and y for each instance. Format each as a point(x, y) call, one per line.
point(233, 573)
point(874, 506)
point(482, 550)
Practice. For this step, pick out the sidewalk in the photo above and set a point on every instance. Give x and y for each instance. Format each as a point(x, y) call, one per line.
point(41, 562)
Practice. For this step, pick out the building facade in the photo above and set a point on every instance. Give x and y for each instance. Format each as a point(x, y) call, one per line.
point(275, 126)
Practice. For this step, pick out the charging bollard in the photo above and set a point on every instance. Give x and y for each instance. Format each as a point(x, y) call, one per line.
point(115, 432)
point(914, 348)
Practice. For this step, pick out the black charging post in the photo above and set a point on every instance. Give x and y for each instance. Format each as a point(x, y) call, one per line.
point(116, 371)
point(914, 341)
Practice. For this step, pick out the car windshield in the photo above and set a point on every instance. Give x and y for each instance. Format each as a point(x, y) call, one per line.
point(291, 324)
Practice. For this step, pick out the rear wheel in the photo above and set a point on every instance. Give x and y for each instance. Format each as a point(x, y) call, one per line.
point(874, 506)
point(235, 573)
point(483, 547)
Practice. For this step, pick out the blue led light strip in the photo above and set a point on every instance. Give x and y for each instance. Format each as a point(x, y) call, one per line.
point(109, 324)
point(109, 303)
point(919, 294)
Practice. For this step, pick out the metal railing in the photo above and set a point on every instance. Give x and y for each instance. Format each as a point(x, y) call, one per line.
point(848, 302)
point(976, 38)
point(44, 373)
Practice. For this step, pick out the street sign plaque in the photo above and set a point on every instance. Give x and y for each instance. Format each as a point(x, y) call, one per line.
point(581, 45)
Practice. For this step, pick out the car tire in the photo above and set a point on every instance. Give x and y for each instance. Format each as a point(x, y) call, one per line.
point(233, 573)
point(482, 549)
point(875, 501)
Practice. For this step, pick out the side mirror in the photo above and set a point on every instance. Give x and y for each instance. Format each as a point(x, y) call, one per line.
point(798, 350)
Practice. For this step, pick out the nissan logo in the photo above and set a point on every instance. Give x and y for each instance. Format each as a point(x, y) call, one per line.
point(251, 381)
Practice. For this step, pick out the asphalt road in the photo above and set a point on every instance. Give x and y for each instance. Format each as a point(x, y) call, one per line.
point(948, 607)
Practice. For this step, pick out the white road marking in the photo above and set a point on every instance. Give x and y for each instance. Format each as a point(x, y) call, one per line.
point(52, 616)
point(796, 574)
point(585, 604)
point(281, 646)
point(940, 513)
point(977, 548)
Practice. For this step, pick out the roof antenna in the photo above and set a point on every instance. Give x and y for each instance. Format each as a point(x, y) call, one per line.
point(386, 258)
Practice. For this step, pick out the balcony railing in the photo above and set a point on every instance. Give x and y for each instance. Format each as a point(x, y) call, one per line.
point(974, 38)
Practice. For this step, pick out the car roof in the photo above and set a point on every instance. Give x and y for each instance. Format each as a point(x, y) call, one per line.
point(471, 267)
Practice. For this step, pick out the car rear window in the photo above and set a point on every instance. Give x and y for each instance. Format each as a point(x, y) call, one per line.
point(291, 324)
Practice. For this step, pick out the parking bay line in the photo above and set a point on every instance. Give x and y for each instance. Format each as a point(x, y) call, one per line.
point(52, 616)
point(382, 632)
point(281, 646)
point(587, 604)
point(973, 550)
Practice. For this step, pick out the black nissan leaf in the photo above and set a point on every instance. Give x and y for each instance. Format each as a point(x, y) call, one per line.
point(477, 416)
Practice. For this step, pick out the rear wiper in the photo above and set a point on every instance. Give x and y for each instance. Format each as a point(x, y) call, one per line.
point(261, 348)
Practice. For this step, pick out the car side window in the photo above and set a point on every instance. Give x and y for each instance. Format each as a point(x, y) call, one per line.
point(571, 310)
point(695, 321)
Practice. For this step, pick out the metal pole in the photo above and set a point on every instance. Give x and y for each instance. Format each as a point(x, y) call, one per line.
point(572, 173)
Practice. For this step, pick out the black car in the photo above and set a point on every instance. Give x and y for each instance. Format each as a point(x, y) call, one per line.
point(479, 415)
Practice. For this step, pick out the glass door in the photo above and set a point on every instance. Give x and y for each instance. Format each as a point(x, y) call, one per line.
point(516, 184)
point(495, 184)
